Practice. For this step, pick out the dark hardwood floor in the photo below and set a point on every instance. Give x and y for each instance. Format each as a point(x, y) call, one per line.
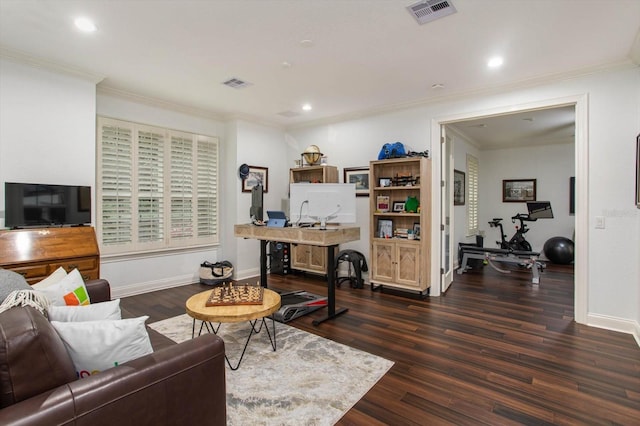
point(493, 350)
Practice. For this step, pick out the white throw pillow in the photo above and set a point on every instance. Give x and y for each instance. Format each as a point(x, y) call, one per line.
point(94, 312)
point(95, 346)
point(70, 290)
point(52, 279)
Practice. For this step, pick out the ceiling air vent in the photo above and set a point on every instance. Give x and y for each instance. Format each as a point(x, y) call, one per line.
point(430, 10)
point(236, 83)
point(289, 114)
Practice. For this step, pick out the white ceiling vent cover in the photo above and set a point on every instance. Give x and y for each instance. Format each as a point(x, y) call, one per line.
point(430, 10)
point(236, 83)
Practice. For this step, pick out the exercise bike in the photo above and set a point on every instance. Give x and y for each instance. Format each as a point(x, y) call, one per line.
point(518, 241)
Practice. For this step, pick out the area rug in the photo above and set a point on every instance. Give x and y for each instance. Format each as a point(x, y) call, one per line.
point(308, 380)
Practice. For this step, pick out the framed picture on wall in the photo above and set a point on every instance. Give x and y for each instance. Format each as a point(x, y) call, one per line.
point(257, 176)
point(359, 176)
point(518, 190)
point(458, 188)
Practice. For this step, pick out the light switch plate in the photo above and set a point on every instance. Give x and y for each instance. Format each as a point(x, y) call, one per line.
point(599, 222)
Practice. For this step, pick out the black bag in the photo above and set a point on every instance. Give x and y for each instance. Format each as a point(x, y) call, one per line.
point(215, 273)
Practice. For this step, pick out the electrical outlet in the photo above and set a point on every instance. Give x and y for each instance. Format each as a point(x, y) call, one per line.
point(599, 222)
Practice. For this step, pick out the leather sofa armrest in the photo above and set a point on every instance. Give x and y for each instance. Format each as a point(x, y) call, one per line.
point(99, 290)
point(180, 385)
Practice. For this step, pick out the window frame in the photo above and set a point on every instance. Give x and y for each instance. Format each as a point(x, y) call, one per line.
point(200, 228)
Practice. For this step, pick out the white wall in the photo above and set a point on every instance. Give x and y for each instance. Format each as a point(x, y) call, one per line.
point(551, 166)
point(261, 146)
point(613, 122)
point(47, 128)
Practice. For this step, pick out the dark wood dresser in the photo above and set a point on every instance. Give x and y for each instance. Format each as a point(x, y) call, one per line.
point(36, 253)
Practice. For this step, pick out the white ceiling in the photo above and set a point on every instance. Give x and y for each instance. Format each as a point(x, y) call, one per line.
point(362, 56)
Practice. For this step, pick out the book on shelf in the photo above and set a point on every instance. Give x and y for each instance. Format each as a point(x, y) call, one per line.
point(382, 203)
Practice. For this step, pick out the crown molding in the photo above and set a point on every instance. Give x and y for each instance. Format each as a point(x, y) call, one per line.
point(462, 95)
point(49, 65)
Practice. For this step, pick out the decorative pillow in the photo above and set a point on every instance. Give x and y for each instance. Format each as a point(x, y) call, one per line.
point(95, 346)
point(68, 291)
point(57, 275)
point(11, 281)
point(94, 312)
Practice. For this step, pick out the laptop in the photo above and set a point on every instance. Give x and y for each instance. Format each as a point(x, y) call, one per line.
point(277, 219)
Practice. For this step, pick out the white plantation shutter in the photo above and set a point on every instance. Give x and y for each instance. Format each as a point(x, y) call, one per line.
point(472, 197)
point(150, 186)
point(156, 188)
point(207, 187)
point(115, 178)
point(182, 191)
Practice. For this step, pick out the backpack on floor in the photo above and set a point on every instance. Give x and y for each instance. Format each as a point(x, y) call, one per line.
point(215, 273)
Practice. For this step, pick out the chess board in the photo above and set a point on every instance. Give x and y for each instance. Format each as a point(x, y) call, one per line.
point(230, 294)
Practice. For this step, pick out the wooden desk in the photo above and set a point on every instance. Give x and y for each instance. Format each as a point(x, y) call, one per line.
point(331, 238)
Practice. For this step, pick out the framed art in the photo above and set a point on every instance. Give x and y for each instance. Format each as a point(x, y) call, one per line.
point(382, 203)
point(385, 228)
point(384, 182)
point(458, 188)
point(518, 190)
point(416, 229)
point(257, 176)
point(398, 206)
point(359, 176)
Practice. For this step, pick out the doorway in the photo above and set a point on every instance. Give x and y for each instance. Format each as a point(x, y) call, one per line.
point(580, 151)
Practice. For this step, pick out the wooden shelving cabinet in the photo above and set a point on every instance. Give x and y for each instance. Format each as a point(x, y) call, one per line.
point(314, 174)
point(304, 257)
point(396, 261)
point(36, 253)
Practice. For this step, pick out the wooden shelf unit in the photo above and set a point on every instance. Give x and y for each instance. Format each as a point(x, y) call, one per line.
point(307, 257)
point(399, 262)
point(35, 253)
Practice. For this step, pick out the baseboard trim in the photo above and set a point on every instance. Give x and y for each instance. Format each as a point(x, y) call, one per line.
point(149, 286)
point(615, 324)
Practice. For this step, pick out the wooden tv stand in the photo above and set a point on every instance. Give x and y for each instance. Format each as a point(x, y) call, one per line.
point(36, 253)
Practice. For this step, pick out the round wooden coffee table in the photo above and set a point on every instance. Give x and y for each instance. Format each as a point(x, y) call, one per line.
point(196, 308)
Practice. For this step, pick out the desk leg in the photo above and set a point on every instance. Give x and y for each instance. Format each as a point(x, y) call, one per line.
point(263, 263)
point(331, 290)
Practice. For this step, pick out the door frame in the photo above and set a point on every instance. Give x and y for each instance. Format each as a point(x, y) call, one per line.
point(581, 152)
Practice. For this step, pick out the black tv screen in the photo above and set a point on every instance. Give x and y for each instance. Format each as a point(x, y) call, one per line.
point(35, 204)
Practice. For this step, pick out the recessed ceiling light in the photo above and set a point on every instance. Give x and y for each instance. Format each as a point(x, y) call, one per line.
point(437, 86)
point(495, 62)
point(306, 43)
point(85, 25)
point(306, 107)
point(286, 64)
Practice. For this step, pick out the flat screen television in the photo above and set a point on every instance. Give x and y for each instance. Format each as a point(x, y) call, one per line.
point(322, 202)
point(34, 204)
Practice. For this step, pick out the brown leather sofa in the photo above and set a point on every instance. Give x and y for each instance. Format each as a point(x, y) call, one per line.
point(183, 384)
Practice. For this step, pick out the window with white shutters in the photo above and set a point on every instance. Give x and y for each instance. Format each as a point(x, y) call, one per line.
point(472, 195)
point(156, 188)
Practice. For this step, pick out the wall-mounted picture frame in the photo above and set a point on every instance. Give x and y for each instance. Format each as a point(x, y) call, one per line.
point(385, 228)
point(398, 206)
point(518, 190)
point(384, 182)
point(359, 176)
point(638, 171)
point(458, 188)
point(257, 176)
